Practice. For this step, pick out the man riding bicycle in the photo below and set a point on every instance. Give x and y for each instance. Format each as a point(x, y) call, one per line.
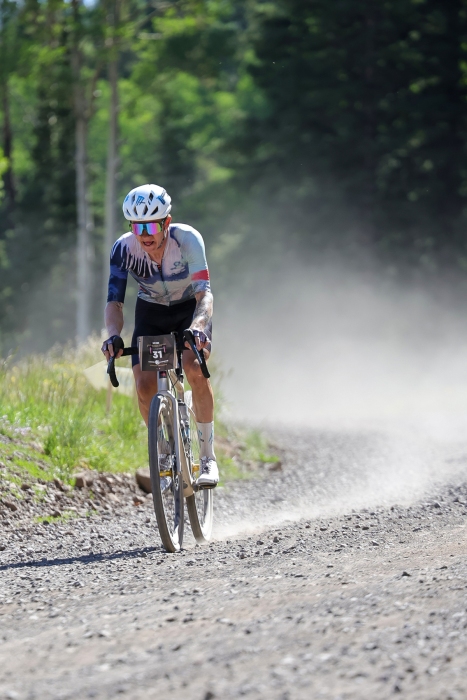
point(169, 263)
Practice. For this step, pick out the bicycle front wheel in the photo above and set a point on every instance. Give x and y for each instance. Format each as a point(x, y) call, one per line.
point(166, 480)
point(200, 504)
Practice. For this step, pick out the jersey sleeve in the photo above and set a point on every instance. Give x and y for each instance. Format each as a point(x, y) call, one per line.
point(118, 275)
point(197, 264)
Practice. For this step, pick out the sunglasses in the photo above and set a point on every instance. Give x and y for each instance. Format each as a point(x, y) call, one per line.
point(152, 228)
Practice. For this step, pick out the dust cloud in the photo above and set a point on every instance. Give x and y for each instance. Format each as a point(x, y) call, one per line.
point(325, 347)
point(361, 378)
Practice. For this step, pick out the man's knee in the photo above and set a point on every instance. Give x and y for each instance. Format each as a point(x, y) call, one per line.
point(146, 387)
point(193, 372)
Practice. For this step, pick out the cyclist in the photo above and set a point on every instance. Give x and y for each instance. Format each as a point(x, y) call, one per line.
point(168, 262)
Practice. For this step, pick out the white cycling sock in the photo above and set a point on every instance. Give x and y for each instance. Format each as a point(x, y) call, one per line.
point(206, 439)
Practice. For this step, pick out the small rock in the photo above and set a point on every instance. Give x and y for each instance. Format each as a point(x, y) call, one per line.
point(143, 479)
point(83, 479)
point(12, 506)
point(274, 466)
point(25, 487)
point(406, 573)
point(60, 485)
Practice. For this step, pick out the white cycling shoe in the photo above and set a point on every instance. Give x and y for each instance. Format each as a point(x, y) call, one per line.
point(209, 473)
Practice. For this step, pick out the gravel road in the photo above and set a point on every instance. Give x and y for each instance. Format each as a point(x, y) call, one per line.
point(343, 576)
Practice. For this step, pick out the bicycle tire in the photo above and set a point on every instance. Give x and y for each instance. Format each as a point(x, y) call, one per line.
point(200, 505)
point(168, 505)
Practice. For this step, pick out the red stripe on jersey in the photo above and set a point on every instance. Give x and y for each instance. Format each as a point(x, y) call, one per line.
point(201, 275)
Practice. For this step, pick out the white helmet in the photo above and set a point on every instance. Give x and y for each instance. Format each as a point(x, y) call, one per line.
point(147, 203)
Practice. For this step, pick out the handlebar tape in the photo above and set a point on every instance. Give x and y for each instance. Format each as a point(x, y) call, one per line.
point(118, 345)
point(199, 354)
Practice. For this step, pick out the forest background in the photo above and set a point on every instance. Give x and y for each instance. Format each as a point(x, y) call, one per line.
point(327, 128)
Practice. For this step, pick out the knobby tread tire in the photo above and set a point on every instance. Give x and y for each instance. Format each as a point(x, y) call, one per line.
point(170, 525)
point(202, 529)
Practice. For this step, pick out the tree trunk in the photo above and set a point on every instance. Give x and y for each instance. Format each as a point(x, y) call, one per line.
point(8, 180)
point(84, 221)
point(82, 253)
point(111, 175)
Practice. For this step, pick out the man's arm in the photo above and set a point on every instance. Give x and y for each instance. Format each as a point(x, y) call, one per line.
point(202, 315)
point(113, 316)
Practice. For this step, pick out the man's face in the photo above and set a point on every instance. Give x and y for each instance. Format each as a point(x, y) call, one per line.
point(151, 234)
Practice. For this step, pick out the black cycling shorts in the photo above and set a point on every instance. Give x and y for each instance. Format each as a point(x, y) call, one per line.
point(157, 319)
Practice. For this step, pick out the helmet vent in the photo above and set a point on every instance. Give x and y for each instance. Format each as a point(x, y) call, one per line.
point(151, 197)
point(155, 210)
point(145, 210)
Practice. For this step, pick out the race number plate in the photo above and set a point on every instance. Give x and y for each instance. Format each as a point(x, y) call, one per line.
point(157, 352)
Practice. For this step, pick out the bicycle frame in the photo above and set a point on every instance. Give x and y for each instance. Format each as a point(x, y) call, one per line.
point(183, 487)
point(163, 388)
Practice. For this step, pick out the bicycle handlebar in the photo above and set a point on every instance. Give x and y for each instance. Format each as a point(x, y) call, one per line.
point(189, 337)
point(118, 345)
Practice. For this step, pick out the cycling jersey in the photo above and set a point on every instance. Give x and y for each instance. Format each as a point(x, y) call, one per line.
point(182, 274)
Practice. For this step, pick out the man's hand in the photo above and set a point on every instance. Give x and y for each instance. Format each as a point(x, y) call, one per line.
point(108, 347)
point(201, 340)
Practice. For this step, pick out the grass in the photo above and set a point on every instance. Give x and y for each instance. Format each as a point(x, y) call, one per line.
point(47, 401)
point(62, 518)
point(61, 422)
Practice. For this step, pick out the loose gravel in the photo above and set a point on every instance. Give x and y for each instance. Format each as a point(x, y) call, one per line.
point(344, 576)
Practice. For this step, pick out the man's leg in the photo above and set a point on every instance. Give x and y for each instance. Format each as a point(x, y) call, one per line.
point(146, 388)
point(203, 405)
point(203, 397)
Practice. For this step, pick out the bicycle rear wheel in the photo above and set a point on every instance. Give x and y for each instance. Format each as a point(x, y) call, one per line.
point(200, 504)
point(166, 480)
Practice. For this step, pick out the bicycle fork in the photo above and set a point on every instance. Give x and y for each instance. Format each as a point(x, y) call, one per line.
point(180, 456)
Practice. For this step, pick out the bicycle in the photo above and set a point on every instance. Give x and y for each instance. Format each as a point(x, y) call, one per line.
point(173, 445)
